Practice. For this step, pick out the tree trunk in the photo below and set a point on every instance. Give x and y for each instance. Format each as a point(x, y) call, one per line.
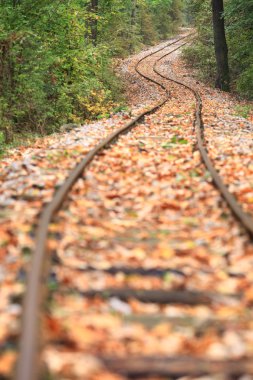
point(8, 135)
point(133, 24)
point(94, 21)
point(15, 3)
point(133, 13)
point(221, 49)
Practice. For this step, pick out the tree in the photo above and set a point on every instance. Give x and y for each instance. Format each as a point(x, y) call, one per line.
point(94, 21)
point(239, 16)
point(56, 57)
point(220, 43)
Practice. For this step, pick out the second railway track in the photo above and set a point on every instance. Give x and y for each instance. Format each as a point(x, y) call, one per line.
point(29, 362)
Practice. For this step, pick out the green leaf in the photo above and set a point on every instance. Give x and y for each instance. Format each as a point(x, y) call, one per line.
point(178, 140)
point(166, 145)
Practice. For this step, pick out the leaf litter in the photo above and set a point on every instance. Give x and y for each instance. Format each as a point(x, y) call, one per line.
point(147, 202)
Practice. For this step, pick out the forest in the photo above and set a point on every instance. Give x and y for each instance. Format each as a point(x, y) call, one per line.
point(57, 59)
point(238, 16)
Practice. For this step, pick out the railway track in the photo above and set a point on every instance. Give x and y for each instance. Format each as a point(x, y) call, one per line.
point(29, 364)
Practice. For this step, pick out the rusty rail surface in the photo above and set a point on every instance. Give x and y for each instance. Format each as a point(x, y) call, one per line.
point(29, 366)
point(169, 367)
point(29, 363)
point(245, 220)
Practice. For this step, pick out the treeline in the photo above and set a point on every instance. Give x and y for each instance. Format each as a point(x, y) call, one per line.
point(238, 16)
point(56, 57)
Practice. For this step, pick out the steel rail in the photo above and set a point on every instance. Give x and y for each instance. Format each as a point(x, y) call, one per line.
point(157, 51)
point(176, 367)
point(135, 367)
point(243, 217)
point(29, 362)
point(157, 296)
point(129, 271)
point(29, 366)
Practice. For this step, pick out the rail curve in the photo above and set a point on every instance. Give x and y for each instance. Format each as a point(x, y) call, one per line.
point(29, 364)
point(244, 219)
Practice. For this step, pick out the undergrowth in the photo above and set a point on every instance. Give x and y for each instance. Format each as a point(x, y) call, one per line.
point(57, 58)
point(239, 30)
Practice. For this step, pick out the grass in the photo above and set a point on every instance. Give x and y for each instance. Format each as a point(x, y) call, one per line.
point(24, 139)
point(243, 111)
point(115, 110)
point(27, 138)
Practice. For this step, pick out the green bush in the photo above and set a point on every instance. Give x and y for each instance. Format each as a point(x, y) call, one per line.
point(50, 74)
point(52, 68)
point(201, 58)
point(200, 55)
point(245, 83)
point(239, 16)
